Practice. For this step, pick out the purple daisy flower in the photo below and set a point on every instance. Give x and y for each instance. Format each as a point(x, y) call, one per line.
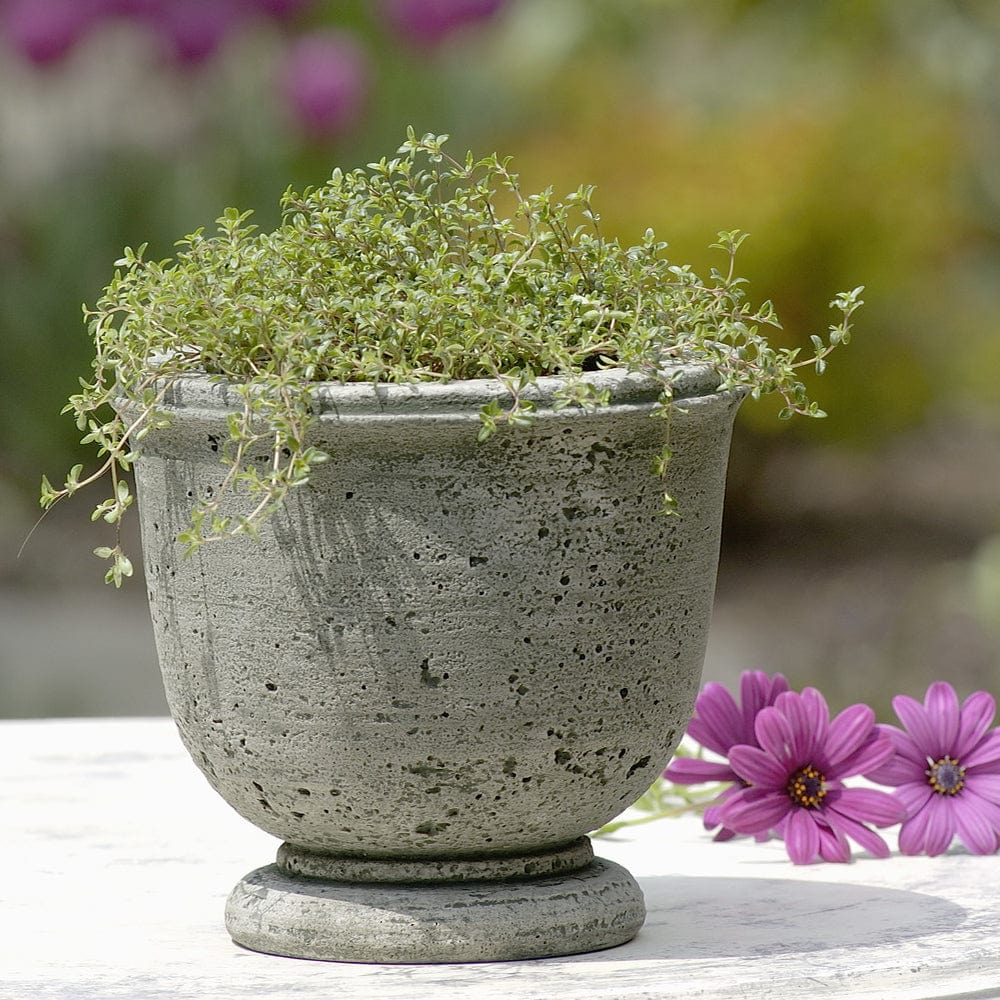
point(718, 725)
point(794, 779)
point(946, 771)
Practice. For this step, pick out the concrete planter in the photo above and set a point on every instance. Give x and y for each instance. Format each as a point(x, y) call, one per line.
point(444, 662)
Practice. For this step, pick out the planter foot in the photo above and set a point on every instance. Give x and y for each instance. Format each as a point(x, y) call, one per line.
point(597, 906)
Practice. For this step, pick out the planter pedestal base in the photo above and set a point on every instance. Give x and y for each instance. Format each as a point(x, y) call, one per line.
point(447, 911)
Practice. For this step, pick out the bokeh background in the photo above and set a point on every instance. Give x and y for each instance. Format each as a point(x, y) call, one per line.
point(858, 141)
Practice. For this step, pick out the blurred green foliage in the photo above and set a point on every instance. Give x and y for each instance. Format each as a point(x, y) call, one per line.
point(856, 140)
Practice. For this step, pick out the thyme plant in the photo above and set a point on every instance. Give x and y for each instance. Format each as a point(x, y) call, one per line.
point(420, 267)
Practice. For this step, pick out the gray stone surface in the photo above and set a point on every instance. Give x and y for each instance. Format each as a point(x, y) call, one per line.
point(538, 864)
point(441, 648)
point(595, 907)
point(856, 572)
point(398, 910)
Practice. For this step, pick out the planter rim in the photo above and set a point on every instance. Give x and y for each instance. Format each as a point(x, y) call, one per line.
point(462, 398)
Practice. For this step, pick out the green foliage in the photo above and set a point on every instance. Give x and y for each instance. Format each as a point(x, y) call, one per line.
point(420, 267)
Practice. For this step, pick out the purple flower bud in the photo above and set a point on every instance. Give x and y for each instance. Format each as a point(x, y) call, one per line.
point(44, 31)
point(429, 22)
point(325, 80)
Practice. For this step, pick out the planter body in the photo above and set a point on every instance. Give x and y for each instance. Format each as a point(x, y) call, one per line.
point(443, 659)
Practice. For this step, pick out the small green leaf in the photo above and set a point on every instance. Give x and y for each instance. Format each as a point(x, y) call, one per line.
point(73, 479)
point(47, 495)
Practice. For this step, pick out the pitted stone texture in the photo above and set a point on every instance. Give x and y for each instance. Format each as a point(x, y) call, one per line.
point(441, 648)
point(297, 861)
point(597, 907)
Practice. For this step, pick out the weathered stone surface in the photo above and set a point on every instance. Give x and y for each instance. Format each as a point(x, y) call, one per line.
point(340, 868)
point(596, 907)
point(439, 649)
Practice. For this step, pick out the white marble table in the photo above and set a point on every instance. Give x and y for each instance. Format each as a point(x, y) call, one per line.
point(119, 858)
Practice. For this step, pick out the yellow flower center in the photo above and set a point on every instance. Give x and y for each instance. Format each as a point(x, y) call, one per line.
point(807, 787)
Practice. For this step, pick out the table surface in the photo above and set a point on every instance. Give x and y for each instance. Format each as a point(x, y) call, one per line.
point(119, 858)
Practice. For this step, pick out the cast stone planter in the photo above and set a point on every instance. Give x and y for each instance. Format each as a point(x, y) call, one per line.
point(444, 662)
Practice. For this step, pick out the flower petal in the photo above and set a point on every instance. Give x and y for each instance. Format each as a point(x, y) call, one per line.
point(929, 831)
point(754, 811)
point(779, 684)
point(848, 732)
point(777, 736)
point(942, 712)
point(903, 744)
point(986, 786)
point(911, 713)
point(809, 715)
point(913, 797)
point(712, 818)
point(757, 691)
point(870, 756)
point(861, 834)
point(985, 752)
point(754, 690)
point(692, 771)
point(757, 767)
point(973, 825)
point(718, 723)
point(896, 770)
point(978, 711)
point(798, 714)
point(940, 824)
point(906, 764)
point(801, 837)
point(867, 805)
point(986, 767)
point(833, 845)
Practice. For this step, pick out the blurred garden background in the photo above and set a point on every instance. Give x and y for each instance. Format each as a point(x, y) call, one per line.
point(858, 141)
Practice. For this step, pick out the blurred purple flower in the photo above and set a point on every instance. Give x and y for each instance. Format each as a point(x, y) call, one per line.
point(194, 30)
point(794, 779)
point(45, 31)
point(325, 81)
point(280, 9)
point(946, 771)
point(131, 8)
point(719, 724)
point(429, 22)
